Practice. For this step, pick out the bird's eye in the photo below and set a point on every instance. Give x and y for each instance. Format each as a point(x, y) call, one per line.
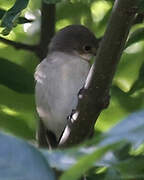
point(87, 48)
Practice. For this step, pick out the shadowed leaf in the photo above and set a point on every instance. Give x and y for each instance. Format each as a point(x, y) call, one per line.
point(136, 36)
point(20, 20)
point(10, 17)
point(51, 1)
point(15, 77)
point(139, 83)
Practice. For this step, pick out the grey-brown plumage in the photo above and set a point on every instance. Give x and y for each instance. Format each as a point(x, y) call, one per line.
point(73, 37)
point(59, 78)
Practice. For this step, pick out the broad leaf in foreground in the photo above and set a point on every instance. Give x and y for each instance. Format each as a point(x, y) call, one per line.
point(21, 161)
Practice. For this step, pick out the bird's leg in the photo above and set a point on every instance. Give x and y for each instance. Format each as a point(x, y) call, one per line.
point(41, 131)
point(46, 139)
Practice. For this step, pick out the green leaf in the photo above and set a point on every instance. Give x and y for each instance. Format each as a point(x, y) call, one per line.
point(87, 162)
point(16, 125)
point(136, 36)
point(112, 174)
point(52, 1)
point(20, 20)
point(2, 12)
point(10, 17)
point(109, 151)
point(17, 113)
point(15, 77)
point(132, 167)
point(130, 130)
point(21, 161)
point(123, 152)
point(139, 83)
point(141, 6)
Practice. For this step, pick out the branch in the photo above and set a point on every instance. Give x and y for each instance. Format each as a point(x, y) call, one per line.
point(47, 27)
point(18, 45)
point(98, 84)
point(47, 32)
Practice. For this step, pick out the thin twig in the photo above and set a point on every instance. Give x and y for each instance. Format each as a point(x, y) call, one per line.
point(47, 32)
point(19, 45)
point(47, 27)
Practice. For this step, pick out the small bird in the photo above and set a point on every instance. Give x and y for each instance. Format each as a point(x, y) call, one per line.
point(60, 77)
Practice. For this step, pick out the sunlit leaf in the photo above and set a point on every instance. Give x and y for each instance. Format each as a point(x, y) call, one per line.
point(13, 122)
point(127, 102)
point(128, 70)
point(20, 160)
point(20, 20)
point(139, 83)
point(136, 36)
point(102, 24)
point(16, 77)
point(17, 113)
point(10, 17)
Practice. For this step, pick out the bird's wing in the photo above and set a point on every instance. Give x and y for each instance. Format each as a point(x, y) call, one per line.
point(43, 96)
point(58, 83)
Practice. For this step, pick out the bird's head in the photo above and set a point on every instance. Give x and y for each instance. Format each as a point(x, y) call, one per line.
point(75, 39)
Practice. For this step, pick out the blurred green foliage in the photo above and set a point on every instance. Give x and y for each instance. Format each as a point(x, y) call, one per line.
point(17, 106)
point(114, 155)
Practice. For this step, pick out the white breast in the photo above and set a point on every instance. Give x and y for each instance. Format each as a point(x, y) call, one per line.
point(59, 78)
